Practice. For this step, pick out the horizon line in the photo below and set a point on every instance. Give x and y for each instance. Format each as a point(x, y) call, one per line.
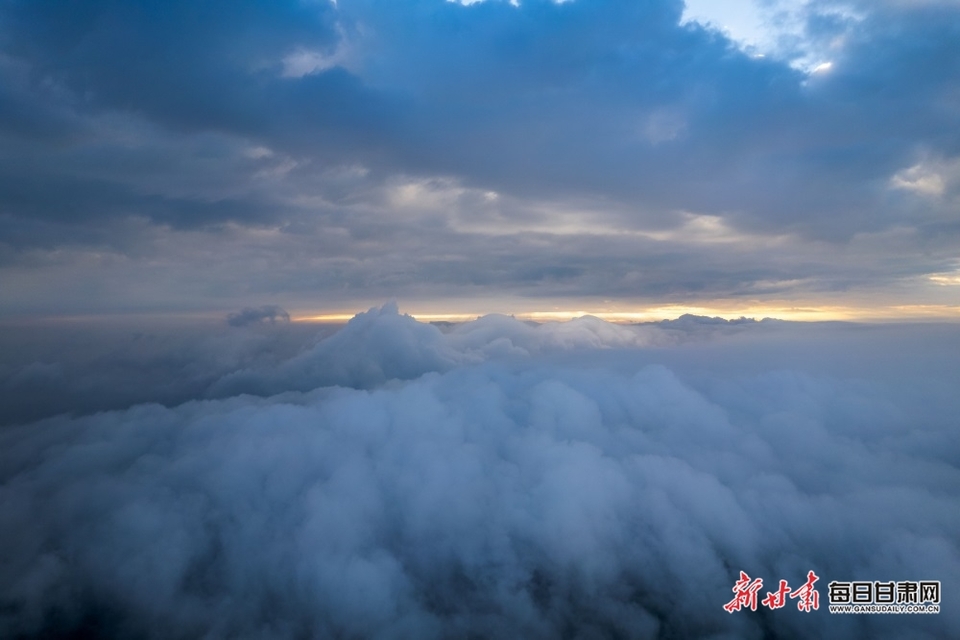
point(639, 314)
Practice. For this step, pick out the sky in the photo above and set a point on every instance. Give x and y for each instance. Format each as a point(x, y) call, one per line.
point(634, 160)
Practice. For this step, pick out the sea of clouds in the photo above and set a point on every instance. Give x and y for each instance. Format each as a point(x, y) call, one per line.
point(493, 479)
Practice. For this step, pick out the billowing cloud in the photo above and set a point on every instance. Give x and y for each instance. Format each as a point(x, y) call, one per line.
point(382, 345)
point(498, 479)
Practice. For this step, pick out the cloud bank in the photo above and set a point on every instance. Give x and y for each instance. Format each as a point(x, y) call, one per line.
point(574, 480)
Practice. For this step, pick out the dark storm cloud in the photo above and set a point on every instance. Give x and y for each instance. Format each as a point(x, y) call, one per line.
point(192, 64)
point(615, 98)
point(311, 117)
point(127, 79)
point(601, 96)
point(567, 480)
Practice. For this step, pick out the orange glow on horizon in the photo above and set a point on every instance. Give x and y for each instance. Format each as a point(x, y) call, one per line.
point(800, 313)
point(465, 311)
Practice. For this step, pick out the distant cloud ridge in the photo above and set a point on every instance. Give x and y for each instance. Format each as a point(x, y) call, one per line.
point(255, 315)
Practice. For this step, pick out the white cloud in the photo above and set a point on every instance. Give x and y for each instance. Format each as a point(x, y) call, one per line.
point(945, 279)
point(258, 153)
point(928, 178)
point(303, 62)
point(424, 194)
point(523, 481)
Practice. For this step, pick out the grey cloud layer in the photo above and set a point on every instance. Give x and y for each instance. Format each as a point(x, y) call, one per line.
point(123, 122)
point(531, 99)
point(537, 482)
